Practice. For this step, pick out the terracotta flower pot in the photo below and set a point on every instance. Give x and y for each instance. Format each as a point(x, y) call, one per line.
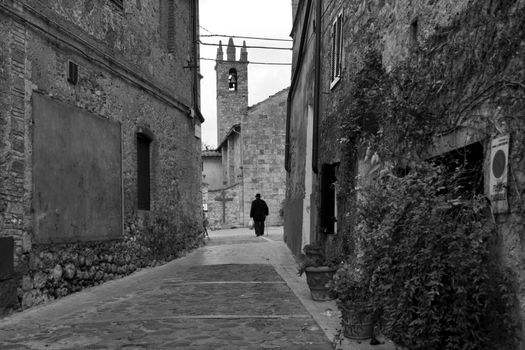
point(357, 324)
point(318, 279)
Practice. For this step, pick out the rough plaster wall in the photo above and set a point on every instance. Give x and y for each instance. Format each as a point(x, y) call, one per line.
point(212, 172)
point(76, 174)
point(264, 131)
point(302, 96)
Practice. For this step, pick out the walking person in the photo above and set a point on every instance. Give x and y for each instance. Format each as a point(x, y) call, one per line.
point(259, 212)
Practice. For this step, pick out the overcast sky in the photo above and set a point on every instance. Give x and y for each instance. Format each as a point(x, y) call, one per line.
point(254, 18)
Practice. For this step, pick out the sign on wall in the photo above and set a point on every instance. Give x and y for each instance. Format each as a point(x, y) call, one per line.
point(498, 182)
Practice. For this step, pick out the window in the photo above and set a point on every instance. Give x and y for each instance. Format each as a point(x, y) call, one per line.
point(119, 3)
point(465, 164)
point(337, 49)
point(413, 34)
point(232, 80)
point(143, 171)
point(329, 198)
point(72, 72)
point(167, 24)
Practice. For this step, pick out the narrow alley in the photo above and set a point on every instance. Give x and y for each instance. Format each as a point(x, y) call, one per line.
point(237, 292)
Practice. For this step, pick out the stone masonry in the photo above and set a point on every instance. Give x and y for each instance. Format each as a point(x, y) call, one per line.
point(251, 144)
point(395, 29)
point(127, 75)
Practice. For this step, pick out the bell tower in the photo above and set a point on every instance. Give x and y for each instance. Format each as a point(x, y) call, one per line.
point(232, 88)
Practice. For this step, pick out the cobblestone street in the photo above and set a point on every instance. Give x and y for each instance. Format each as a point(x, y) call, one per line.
point(237, 292)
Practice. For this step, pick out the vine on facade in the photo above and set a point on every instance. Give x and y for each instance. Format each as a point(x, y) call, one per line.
point(425, 247)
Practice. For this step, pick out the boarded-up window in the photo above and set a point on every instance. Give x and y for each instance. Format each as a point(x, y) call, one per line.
point(143, 172)
point(77, 178)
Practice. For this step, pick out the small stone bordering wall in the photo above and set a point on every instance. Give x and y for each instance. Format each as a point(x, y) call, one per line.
point(52, 271)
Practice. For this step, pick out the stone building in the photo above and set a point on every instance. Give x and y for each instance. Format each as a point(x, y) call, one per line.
point(326, 61)
point(100, 129)
point(250, 156)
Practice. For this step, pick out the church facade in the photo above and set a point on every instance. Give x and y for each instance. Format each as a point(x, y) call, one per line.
point(249, 158)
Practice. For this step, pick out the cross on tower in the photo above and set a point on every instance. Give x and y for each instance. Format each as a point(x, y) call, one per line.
point(222, 198)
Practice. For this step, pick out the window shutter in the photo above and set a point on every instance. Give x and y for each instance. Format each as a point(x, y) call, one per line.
point(143, 172)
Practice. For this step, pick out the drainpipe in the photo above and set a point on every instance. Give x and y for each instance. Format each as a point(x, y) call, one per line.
point(195, 53)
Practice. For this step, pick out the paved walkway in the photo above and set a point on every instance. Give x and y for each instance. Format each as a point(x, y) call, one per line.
point(237, 292)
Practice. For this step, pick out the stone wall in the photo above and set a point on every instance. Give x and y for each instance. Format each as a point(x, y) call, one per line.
point(231, 208)
point(264, 133)
point(397, 29)
point(231, 105)
point(125, 75)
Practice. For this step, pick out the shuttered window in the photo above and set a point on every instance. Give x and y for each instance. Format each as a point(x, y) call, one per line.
point(167, 24)
point(337, 49)
point(143, 172)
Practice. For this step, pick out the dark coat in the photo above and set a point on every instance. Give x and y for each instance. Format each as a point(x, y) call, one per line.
point(259, 210)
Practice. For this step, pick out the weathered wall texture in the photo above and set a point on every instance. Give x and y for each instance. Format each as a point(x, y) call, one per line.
point(224, 206)
point(127, 76)
point(212, 169)
point(76, 160)
point(302, 96)
point(396, 29)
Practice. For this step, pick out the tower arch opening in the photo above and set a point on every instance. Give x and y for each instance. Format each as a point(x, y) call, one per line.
point(232, 79)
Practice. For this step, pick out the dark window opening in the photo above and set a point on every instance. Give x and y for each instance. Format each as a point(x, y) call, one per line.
point(465, 166)
point(143, 172)
point(72, 72)
point(328, 198)
point(414, 29)
point(232, 80)
point(119, 3)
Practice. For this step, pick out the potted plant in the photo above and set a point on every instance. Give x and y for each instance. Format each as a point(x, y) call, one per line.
point(319, 271)
point(352, 289)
